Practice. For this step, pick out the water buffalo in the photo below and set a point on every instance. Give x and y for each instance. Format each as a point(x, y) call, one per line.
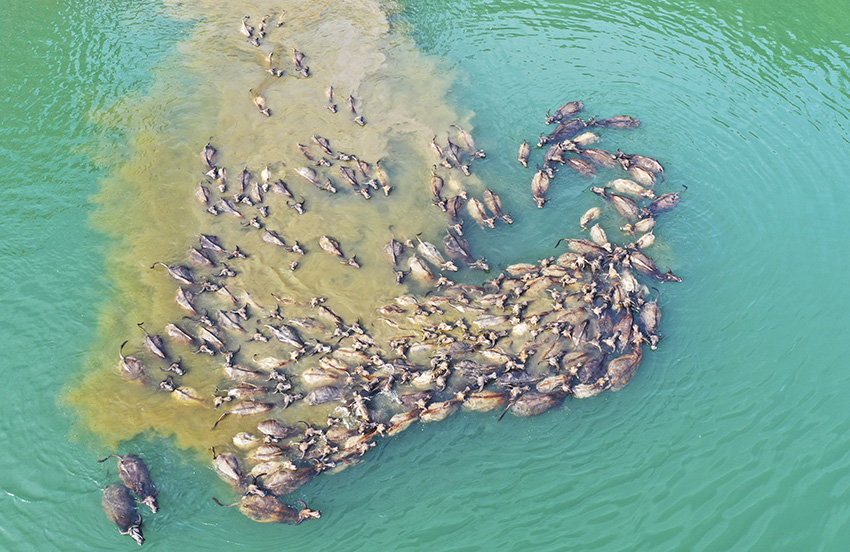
point(121, 510)
point(136, 476)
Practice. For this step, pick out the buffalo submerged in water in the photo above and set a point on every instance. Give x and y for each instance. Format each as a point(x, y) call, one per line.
point(135, 475)
point(120, 508)
point(268, 509)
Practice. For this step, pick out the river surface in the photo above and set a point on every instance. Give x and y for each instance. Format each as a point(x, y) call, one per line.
point(732, 435)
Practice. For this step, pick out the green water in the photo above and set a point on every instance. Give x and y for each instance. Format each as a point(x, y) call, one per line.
point(731, 436)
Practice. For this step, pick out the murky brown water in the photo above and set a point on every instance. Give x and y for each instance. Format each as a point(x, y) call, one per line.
point(151, 208)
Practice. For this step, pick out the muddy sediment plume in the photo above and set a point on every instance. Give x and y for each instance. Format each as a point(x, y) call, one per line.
point(148, 203)
point(293, 276)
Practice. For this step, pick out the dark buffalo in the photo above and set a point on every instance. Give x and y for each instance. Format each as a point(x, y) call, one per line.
point(120, 508)
point(136, 476)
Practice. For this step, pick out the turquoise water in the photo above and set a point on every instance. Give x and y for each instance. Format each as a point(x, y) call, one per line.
point(732, 435)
